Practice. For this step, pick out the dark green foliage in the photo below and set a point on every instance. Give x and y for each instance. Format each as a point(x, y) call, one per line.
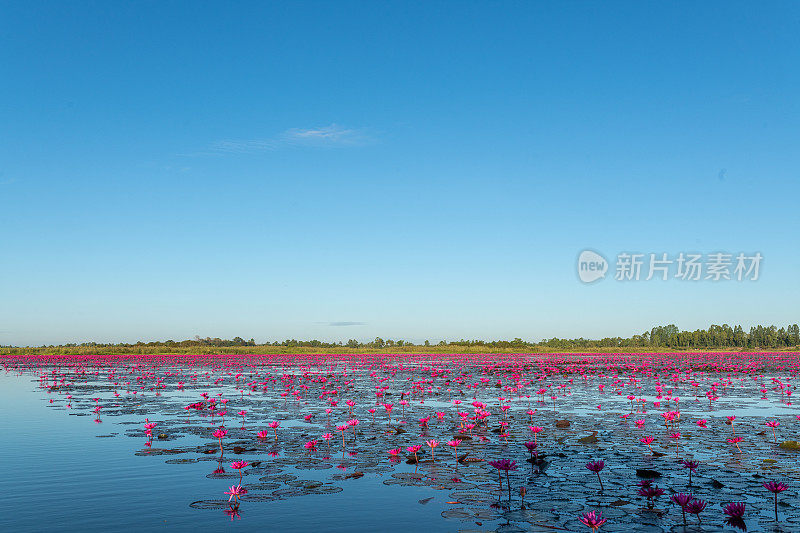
point(669, 337)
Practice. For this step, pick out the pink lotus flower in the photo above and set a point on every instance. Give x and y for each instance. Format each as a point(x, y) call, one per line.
point(342, 428)
point(681, 500)
point(414, 449)
point(695, 507)
point(219, 435)
point(730, 421)
point(735, 441)
point(677, 437)
point(432, 444)
point(596, 467)
point(239, 465)
point(454, 444)
point(735, 509)
point(236, 491)
point(775, 487)
point(647, 441)
point(275, 425)
point(593, 520)
point(774, 424)
point(505, 465)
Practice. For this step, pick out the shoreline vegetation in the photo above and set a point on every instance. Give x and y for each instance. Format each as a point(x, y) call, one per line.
point(660, 339)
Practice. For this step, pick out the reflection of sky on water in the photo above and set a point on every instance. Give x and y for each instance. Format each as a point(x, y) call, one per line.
point(58, 476)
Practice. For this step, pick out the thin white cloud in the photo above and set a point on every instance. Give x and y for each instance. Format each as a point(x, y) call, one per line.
point(243, 146)
point(327, 136)
point(341, 323)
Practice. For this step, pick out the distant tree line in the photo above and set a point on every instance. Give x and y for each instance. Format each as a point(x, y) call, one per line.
point(724, 336)
point(715, 336)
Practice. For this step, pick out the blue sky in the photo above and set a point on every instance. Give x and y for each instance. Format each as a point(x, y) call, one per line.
point(423, 170)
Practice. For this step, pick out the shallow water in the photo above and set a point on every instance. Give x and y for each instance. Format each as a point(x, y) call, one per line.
point(66, 468)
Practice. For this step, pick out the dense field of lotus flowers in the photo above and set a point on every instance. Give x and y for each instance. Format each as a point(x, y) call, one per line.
point(569, 442)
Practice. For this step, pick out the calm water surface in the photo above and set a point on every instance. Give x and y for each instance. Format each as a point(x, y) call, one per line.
point(67, 469)
point(60, 475)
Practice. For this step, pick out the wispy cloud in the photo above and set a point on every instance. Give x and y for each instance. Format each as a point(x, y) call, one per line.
point(327, 136)
point(345, 323)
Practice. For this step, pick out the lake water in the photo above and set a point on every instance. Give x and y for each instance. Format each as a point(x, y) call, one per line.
point(68, 466)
